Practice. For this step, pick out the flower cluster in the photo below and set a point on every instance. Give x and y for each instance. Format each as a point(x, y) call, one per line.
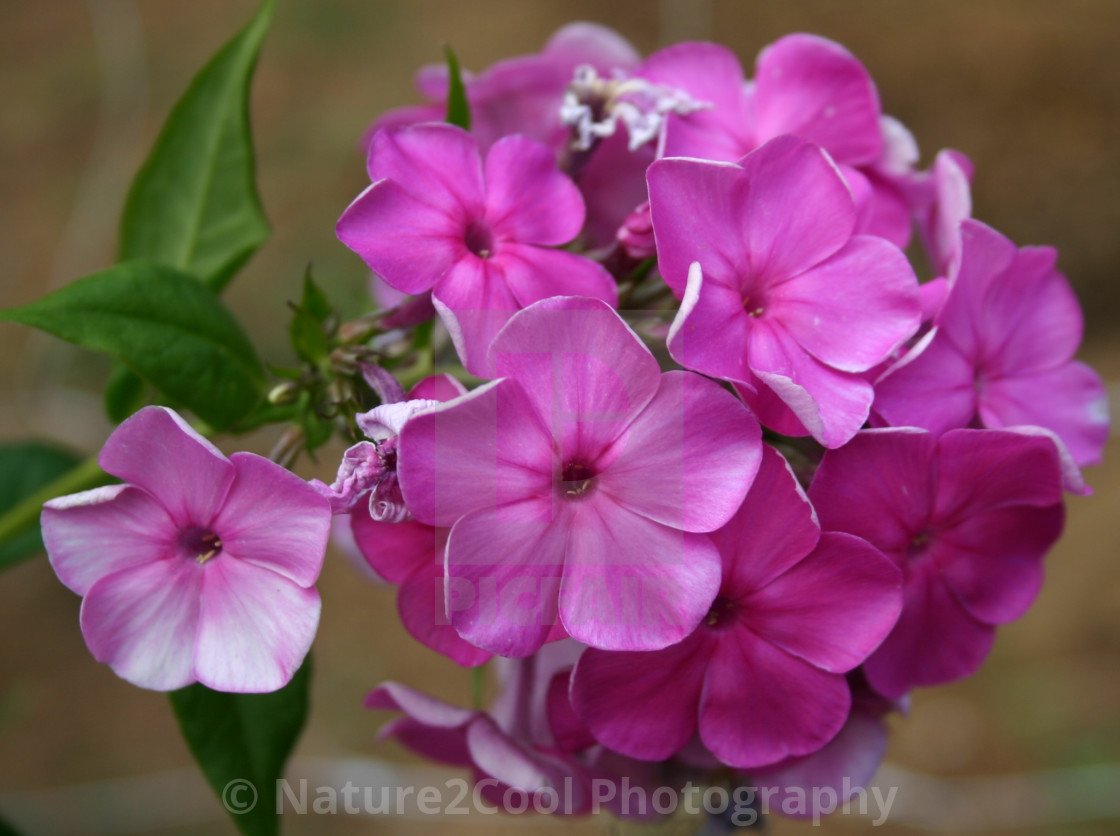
point(730, 482)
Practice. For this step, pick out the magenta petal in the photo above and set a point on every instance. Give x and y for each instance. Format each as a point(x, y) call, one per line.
point(95, 533)
point(1070, 401)
point(983, 470)
point(642, 704)
point(935, 640)
point(432, 743)
point(437, 387)
point(852, 310)
point(798, 212)
point(814, 87)
point(834, 607)
point(484, 449)
point(437, 163)
point(993, 561)
point(760, 705)
point(880, 486)
point(536, 273)
point(496, 754)
point(711, 331)
point(418, 706)
point(421, 603)
point(985, 255)
point(528, 199)
point(568, 730)
point(410, 244)
point(142, 622)
point(591, 43)
point(931, 387)
point(503, 575)
point(397, 550)
point(773, 529)
point(586, 372)
point(275, 520)
point(255, 627)
point(158, 451)
point(688, 458)
point(631, 583)
point(475, 301)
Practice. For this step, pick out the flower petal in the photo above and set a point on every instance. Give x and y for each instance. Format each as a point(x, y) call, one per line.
point(436, 163)
point(396, 551)
point(273, 519)
point(142, 622)
point(528, 199)
point(157, 450)
point(255, 627)
point(931, 387)
point(711, 331)
point(688, 458)
point(93, 534)
point(536, 273)
point(475, 301)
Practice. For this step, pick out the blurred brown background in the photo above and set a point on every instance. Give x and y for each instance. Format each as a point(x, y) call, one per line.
point(1030, 89)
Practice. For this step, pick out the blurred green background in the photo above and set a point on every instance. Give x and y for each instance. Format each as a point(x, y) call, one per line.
point(1029, 89)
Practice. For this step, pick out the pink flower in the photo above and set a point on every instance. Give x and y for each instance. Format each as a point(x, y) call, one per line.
point(521, 95)
point(199, 568)
point(967, 517)
point(577, 485)
point(480, 237)
point(1001, 352)
point(778, 296)
point(762, 677)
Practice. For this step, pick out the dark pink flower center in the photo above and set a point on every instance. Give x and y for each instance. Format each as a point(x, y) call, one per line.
point(754, 303)
point(199, 543)
point(722, 614)
point(576, 480)
point(919, 545)
point(480, 239)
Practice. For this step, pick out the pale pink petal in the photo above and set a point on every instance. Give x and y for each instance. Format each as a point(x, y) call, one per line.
point(158, 451)
point(142, 622)
point(437, 163)
point(932, 387)
point(688, 458)
point(586, 372)
point(880, 486)
point(935, 640)
point(536, 273)
point(482, 450)
point(631, 583)
point(993, 560)
point(273, 519)
point(528, 199)
point(1070, 401)
point(503, 575)
point(408, 243)
point(773, 529)
point(760, 705)
point(591, 43)
point(254, 627)
point(424, 709)
point(498, 755)
point(834, 607)
point(95, 533)
point(708, 73)
point(814, 87)
point(642, 704)
point(852, 310)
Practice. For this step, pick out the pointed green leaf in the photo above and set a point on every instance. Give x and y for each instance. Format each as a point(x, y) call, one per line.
point(194, 203)
point(314, 300)
point(164, 325)
point(458, 108)
point(26, 467)
point(242, 741)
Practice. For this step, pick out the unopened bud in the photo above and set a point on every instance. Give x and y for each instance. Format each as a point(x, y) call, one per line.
point(283, 393)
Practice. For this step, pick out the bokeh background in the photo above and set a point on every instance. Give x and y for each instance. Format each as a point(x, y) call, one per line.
point(1029, 89)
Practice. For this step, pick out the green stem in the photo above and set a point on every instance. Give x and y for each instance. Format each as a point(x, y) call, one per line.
point(25, 514)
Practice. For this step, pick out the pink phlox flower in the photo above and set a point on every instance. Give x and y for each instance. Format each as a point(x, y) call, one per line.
point(481, 236)
point(577, 485)
point(762, 677)
point(967, 517)
point(200, 568)
point(777, 294)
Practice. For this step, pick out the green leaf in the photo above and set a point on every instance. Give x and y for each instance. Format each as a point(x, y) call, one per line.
point(165, 326)
point(25, 467)
point(458, 108)
point(194, 204)
point(314, 300)
point(124, 393)
point(307, 333)
point(241, 741)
